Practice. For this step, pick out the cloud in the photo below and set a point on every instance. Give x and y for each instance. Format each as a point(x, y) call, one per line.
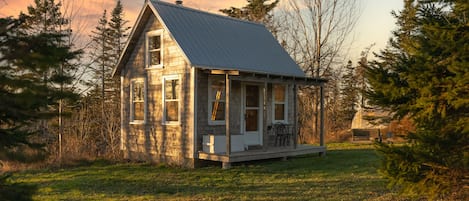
point(86, 13)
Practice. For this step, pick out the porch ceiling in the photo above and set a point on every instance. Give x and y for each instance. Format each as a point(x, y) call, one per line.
point(256, 77)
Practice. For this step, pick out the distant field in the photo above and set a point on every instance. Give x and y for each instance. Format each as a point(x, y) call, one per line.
point(348, 172)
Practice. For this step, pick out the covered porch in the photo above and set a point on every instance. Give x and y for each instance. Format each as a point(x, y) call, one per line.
point(252, 129)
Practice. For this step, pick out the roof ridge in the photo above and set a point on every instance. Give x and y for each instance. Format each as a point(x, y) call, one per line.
point(205, 12)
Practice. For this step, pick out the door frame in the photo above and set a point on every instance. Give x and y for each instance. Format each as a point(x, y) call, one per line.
point(259, 114)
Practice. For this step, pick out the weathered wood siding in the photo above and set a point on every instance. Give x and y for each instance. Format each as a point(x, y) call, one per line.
point(154, 141)
point(203, 126)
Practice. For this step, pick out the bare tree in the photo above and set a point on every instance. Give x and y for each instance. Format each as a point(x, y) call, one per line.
point(315, 33)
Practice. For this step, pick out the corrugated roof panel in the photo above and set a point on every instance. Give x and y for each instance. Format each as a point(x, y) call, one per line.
point(214, 41)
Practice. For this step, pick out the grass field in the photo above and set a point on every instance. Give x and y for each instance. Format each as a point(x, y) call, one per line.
point(348, 172)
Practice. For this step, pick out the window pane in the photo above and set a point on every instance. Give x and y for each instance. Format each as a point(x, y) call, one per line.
point(217, 89)
point(218, 111)
point(172, 110)
point(279, 111)
point(155, 57)
point(218, 93)
point(252, 96)
point(137, 91)
point(155, 42)
point(279, 93)
point(171, 89)
point(138, 111)
point(251, 120)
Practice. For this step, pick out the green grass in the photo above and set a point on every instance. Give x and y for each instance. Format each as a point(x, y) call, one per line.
point(343, 174)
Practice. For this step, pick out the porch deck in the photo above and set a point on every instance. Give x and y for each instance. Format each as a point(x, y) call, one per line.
point(261, 154)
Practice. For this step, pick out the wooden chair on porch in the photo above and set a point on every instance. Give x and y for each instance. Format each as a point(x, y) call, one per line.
point(282, 133)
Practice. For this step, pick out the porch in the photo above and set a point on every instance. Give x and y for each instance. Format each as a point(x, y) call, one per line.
point(260, 154)
point(258, 117)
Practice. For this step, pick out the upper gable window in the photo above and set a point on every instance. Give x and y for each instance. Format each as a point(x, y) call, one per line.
point(154, 50)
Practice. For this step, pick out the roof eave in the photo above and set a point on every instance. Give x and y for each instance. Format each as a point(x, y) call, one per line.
point(300, 78)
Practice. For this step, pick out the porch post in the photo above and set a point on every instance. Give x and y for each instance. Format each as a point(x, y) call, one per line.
point(264, 118)
point(321, 128)
point(227, 113)
point(295, 116)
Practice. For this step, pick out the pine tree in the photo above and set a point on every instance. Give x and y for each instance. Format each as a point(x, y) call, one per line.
point(424, 75)
point(31, 67)
point(108, 40)
point(45, 17)
point(349, 93)
point(256, 11)
point(118, 30)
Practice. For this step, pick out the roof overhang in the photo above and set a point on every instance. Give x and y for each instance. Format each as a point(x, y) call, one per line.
point(265, 77)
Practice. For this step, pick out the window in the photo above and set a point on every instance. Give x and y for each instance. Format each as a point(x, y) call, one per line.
point(154, 56)
point(280, 103)
point(137, 95)
point(216, 100)
point(171, 89)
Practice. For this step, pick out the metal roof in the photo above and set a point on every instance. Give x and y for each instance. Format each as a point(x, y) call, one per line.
point(218, 42)
point(211, 41)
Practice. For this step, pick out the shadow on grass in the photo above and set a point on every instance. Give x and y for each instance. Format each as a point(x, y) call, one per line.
point(15, 191)
point(340, 175)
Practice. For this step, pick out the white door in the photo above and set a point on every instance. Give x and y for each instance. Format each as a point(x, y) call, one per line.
point(252, 110)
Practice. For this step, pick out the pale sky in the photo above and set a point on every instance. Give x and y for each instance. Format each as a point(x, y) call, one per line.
point(374, 26)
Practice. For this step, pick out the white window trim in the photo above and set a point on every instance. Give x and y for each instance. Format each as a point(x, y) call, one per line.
point(149, 34)
point(163, 97)
point(209, 101)
point(132, 121)
point(285, 108)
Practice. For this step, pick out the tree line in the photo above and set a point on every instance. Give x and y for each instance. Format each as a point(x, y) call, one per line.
point(422, 77)
point(59, 102)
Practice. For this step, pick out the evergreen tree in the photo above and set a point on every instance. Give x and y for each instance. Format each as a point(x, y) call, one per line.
point(349, 93)
point(108, 40)
point(31, 62)
point(118, 30)
point(102, 52)
point(45, 17)
point(424, 74)
point(361, 82)
point(255, 11)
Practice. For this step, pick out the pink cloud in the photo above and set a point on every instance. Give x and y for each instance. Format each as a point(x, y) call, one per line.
point(131, 7)
point(86, 13)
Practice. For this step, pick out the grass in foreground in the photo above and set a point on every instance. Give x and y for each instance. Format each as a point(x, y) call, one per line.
point(341, 175)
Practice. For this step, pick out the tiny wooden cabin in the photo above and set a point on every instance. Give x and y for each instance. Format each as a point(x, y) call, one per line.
point(200, 86)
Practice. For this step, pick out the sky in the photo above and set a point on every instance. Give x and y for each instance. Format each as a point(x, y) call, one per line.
point(374, 26)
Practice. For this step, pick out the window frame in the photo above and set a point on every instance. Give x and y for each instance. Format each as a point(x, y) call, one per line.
point(212, 78)
point(144, 101)
point(285, 103)
point(150, 34)
point(166, 78)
